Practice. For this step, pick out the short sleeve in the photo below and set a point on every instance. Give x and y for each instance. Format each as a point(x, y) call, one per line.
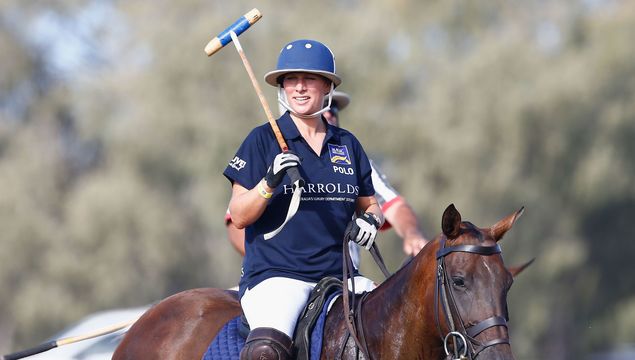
point(248, 166)
point(386, 194)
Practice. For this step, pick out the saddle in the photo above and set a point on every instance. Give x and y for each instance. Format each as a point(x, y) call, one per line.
point(308, 317)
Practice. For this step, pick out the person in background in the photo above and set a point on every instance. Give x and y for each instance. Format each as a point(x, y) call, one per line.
point(397, 212)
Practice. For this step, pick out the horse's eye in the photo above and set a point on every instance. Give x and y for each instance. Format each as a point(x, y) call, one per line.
point(458, 281)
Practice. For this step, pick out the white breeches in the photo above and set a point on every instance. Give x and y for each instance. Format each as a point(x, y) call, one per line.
point(277, 302)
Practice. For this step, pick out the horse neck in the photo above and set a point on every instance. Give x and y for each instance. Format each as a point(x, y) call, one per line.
point(403, 306)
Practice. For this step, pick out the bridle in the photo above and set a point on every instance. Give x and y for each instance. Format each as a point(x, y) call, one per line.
point(467, 335)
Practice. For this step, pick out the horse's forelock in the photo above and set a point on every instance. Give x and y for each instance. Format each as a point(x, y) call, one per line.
point(470, 234)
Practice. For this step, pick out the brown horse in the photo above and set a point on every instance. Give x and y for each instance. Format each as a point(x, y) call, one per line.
point(449, 301)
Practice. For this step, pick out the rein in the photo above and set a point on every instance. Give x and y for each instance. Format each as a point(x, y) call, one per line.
point(470, 347)
point(352, 312)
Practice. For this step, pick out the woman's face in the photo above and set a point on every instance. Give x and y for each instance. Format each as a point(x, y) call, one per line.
point(305, 91)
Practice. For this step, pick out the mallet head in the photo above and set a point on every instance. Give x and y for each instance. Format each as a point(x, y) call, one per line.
point(238, 27)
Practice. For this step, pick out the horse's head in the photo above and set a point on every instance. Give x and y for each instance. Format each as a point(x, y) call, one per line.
point(472, 285)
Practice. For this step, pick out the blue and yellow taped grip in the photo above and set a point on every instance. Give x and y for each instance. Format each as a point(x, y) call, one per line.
point(238, 27)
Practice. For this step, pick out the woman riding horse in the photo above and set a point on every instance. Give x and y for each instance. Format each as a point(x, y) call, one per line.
point(280, 270)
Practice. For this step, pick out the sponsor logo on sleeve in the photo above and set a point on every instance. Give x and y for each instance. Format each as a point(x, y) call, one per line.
point(237, 163)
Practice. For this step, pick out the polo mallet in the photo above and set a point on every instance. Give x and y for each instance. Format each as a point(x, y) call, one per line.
point(65, 341)
point(231, 35)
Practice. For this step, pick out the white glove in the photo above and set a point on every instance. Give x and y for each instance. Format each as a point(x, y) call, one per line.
point(281, 163)
point(363, 230)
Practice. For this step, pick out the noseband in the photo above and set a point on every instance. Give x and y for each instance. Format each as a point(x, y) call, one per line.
point(470, 347)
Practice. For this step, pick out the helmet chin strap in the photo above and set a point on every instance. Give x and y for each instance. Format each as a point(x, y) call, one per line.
point(282, 100)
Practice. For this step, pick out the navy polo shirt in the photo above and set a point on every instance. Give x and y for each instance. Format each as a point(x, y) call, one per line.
point(309, 247)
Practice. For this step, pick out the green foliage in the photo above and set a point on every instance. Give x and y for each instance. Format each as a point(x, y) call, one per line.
point(112, 193)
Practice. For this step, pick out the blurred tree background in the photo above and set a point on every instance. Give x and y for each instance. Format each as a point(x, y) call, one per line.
point(115, 129)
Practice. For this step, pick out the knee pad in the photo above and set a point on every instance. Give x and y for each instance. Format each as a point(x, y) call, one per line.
point(267, 344)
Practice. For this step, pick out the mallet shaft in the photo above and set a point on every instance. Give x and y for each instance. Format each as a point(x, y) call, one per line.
point(294, 174)
point(261, 96)
point(65, 341)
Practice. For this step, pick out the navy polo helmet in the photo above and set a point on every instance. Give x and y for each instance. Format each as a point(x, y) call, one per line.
point(304, 56)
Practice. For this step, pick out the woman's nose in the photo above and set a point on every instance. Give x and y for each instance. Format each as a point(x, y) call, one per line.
point(300, 85)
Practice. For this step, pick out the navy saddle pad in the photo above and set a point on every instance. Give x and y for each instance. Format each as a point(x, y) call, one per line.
point(228, 342)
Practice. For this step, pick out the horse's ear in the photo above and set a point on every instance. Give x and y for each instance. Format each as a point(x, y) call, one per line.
point(451, 222)
point(500, 228)
point(515, 270)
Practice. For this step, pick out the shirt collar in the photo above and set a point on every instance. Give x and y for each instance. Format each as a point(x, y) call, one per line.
point(332, 132)
point(291, 132)
point(287, 127)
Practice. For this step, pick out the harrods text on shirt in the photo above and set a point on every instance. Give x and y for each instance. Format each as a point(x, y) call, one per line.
point(328, 188)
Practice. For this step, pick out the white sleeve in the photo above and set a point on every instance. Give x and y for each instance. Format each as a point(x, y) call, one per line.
point(383, 191)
